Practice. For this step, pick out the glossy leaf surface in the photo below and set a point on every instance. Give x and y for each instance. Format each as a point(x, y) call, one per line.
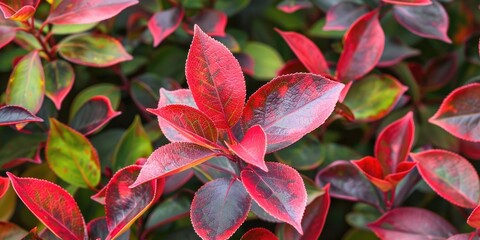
point(459, 113)
point(93, 115)
point(59, 78)
point(188, 121)
point(259, 234)
point(364, 43)
point(52, 205)
point(86, 11)
point(306, 51)
point(219, 208)
point(252, 148)
point(402, 223)
point(164, 23)
point(370, 107)
point(124, 204)
point(14, 114)
point(290, 106)
point(215, 79)
point(449, 175)
point(27, 76)
point(172, 158)
point(342, 15)
point(95, 50)
point(280, 192)
point(71, 156)
point(429, 21)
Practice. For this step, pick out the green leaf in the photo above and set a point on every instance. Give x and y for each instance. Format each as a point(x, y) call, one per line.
point(133, 145)
point(267, 60)
point(373, 97)
point(305, 154)
point(71, 156)
point(72, 28)
point(106, 89)
point(59, 77)
point(95, 50)
point(26, 86)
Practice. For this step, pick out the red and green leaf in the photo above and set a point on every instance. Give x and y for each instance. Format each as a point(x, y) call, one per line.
point(10, 115)
point(252, 148)
point(95, 50)
point(403, 223)
point(459, 113)
point(86, 11)
point(59, 78)
point(280, 192)
point(430, 21)
point(219, 208)
point(341, 16)
point(27, 77)
point(211, 21)
point(11, 231)
point(259, 234)
point(188, 121)
point(52, 205)
point(172, 158)
point(306, 51)
point(7, 34)
point(290, 106)
point(449, 175)
point(18, 10)
point(164, 23)
point(124, 204)
point(363, 46)
point(215, 79)
point(4, 184)
point(71, 156)
point(93, 115)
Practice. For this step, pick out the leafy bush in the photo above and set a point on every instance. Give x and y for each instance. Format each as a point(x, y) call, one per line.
point(116, 123)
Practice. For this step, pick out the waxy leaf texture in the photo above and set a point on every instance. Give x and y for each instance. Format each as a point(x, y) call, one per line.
point(172, 158)
point(59, 78)
point(449, 175)
point(306, 51)
point(215, 79)
point(459, 113)
point(252, 148)
point(10, 115)
point(164, 23)
point(86, 11)
point(403, 223)
point(52, 205)
point(364, 43)
point(71, 156)
point(280, 192)
point(219, 208)
point(290, 106)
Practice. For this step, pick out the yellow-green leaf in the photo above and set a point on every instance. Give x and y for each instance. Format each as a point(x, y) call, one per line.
point(71, 156)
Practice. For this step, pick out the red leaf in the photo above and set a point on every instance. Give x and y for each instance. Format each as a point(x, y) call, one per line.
point(347, 183)
point(409, 2)
point(470, 149)
point(459, 113)
point(464, 236)
point(403, 223)
point(280, 192)
point(259, 234)
point(172, 158)
point(211, 21)
point(7, 34)
point(306, 51)
point(371, 168)
point(123, 204)
point(474, 218)
point(246, 62)
point(429, 21)
point(18, 10)
point(52, 205)
point(394, 143)
point(290, 106)
point(100, 196)
point(439, 72)
point(215, 79)
point(313, 221)
point(292, 66)
point(342, 15)
point(363, 46)
point(394, 52)
point(219, 208)
point(190, 122)
point(291, 6)
point(449, 175)
point(11, 231)
point(176, 181)
point(10, 115)
point(252, 148)
point(93, 115)
point(164, 23)
point(97, 229)
point(87, 11)
point(4, 184)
